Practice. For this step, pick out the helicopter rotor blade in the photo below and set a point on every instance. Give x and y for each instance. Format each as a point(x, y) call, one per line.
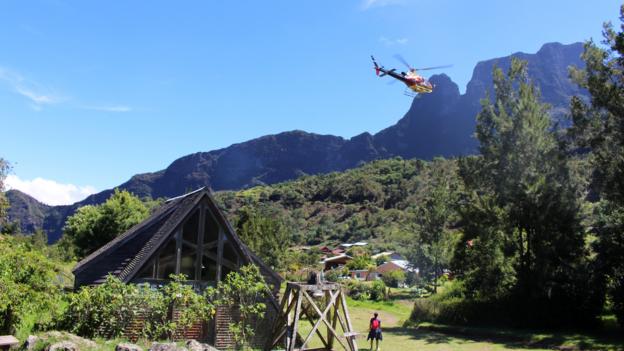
point(403, 61)
point(436, 67)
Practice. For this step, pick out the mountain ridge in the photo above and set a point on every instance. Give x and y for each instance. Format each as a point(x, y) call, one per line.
point(438, 124)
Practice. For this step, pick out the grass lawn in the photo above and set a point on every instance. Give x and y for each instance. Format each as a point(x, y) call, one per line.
point(429, 337)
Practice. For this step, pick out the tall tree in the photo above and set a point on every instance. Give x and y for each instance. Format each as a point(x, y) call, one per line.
point(599, 127)
point(93, 226)
point(532, 219)
point(264, 232)
point(432, 250)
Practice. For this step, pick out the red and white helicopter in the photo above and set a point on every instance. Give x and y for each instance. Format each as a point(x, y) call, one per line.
point(415, 82)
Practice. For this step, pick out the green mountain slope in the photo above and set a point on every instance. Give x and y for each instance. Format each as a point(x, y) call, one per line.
point(375, 202)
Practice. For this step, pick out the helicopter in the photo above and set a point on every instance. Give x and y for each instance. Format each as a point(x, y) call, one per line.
point(416, 83)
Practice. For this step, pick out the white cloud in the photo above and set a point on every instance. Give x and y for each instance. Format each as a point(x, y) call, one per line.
point(392, 42)
point(29, 89)
point(112, 108)
point(40, 96)
point(48, 191)
point(367, 4)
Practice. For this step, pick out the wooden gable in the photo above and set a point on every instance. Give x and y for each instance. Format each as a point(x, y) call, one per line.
point(188, 235)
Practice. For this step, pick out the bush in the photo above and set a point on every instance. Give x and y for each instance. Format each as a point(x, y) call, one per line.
point(378, 291)
point(375, 291)
point(451, 306)
point(246, 291)
point(30, 288)
point(333, 275)
point(106, 310)
point(394, 278)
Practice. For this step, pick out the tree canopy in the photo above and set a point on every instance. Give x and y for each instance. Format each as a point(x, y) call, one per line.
point(598, 130)
point(523, 238)
point(93, 226)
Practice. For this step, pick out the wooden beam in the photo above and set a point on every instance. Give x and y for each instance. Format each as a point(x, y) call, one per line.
point(295, 326)
point(178, 250)
point(219, 254)
point(318, 332)
point(298, 302)
point(315, 287)
point(211, 244)
point(188, 243)
point(224, 262)
point(284, 315)
point(278, 329)
point(199, 248)
point(322, 315)
point(289, 309)
point(343, 325)
point(351, 340)
point(330, 336)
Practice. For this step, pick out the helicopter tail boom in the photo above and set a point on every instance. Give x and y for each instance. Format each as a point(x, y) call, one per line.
point(377, 69)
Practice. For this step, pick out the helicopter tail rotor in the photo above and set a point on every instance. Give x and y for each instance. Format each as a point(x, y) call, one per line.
point(377, 69)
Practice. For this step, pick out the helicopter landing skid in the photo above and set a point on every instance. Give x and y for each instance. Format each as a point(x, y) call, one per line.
point(409, 92)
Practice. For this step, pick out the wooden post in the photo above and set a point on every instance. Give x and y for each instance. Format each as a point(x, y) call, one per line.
point(351, 339)
point(330, 342)
point(289, 331)
point(178, 250)
point(219, 253)
point(298, 300)
point(295, 325)
point(199, 252)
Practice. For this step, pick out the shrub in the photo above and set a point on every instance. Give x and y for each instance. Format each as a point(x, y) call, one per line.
point(30, 288)
point(103, 310)
point(378, 291)
point(106, 310)
point(333, 275)
point(191, 306)
point(393, 278)
point(451, 306)
point(247, 292)
point(375, 291)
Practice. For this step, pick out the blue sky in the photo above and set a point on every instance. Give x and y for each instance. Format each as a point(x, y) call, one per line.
point(93, 92)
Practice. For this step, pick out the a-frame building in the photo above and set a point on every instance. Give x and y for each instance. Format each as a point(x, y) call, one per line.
point(186, 235)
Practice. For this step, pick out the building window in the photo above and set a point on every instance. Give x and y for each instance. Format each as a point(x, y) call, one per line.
point(208, 269)
point(167, 259)
point(193, 253)
point(190, 231)
point(188, 261)
point(148, 271)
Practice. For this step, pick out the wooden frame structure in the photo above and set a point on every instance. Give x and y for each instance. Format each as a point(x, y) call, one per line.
point(190, 235)
point(324, 306)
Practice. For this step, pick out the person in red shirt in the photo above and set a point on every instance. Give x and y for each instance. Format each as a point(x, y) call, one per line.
point(374, 332)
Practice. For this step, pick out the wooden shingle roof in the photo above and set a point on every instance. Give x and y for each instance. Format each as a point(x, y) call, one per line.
point(126, 254)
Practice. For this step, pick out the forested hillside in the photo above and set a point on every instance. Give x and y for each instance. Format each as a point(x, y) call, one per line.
point(376, 202)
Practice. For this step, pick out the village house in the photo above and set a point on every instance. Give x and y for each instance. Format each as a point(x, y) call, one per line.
point(395, 265)
point(187, 235)
point(347, 246)
point(388, 255)
point(336, 261)
point(363, 274)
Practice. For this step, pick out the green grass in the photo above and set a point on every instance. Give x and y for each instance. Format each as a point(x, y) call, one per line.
point(398, 336)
